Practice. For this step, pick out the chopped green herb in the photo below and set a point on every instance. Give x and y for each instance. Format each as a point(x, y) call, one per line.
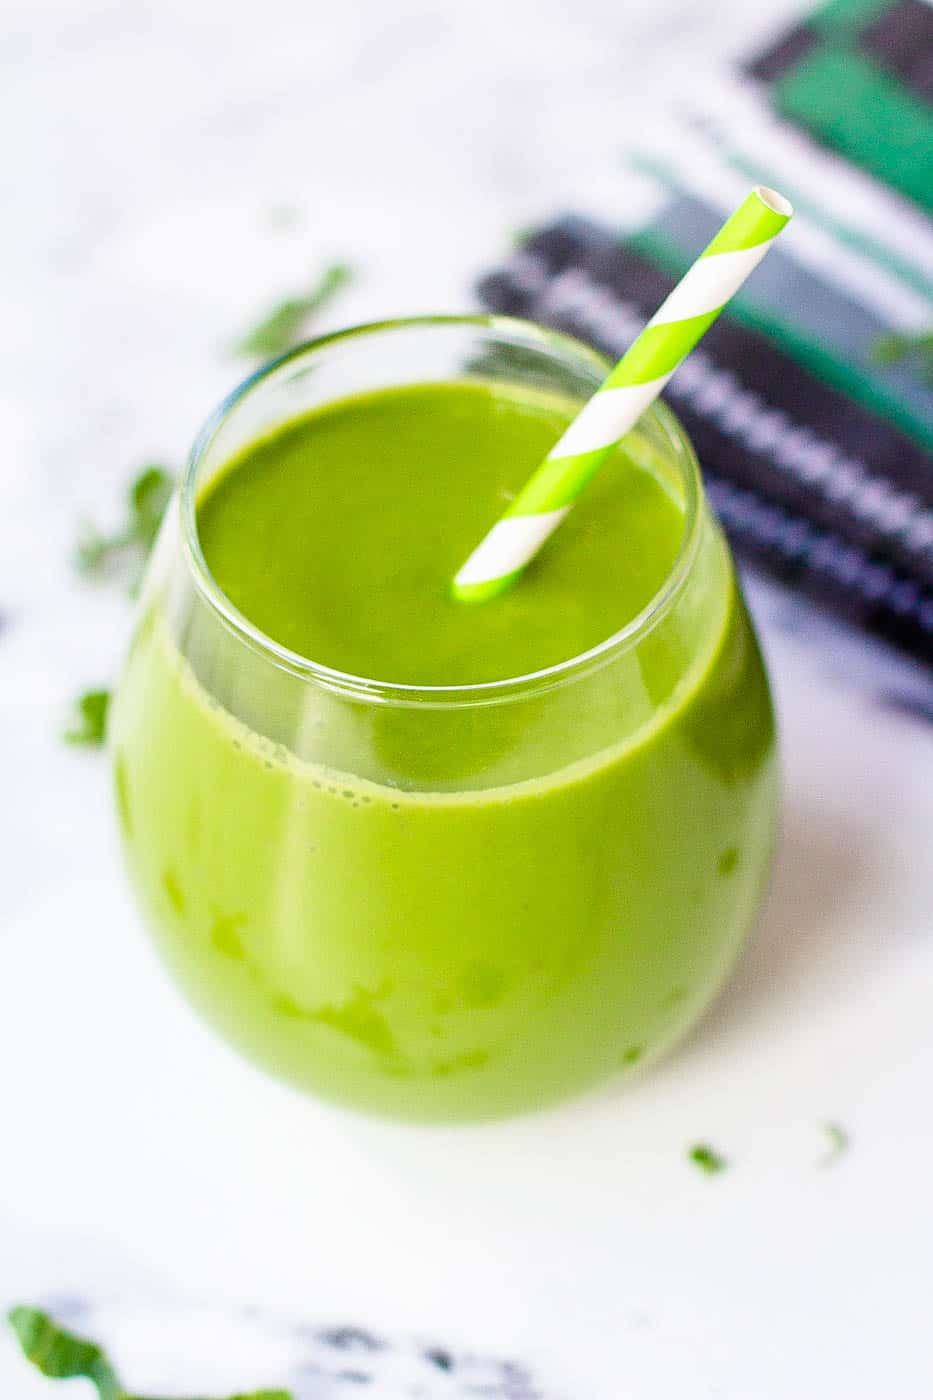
point(839, 1143)
point(894, 349)
point(62, 1356)
point(283, 326)
point(520, 236)
point(707, 1159)
point(90, 719)
point(252, 1395)
point(124, 553)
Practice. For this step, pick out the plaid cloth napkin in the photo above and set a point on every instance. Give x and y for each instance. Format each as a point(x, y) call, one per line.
point(811, 401)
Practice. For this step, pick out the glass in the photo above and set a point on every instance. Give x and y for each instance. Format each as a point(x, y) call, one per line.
point(445, 902)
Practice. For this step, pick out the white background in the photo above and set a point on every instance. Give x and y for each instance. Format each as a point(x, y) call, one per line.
point(147, 149)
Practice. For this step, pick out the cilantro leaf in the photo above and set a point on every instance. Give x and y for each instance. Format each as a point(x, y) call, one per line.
point(124, 553)
point(149, 496)
point(258, 1395)
point(707, 1159)
point(839, 1143)
point(520, 236)
point(62, 1355)
point(895, 348)
point(283, 326)
point(90, 719)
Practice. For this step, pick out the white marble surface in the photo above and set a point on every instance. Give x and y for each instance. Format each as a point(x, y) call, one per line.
point(147, 149)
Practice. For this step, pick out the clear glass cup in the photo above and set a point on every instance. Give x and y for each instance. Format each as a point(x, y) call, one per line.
point(445, 902)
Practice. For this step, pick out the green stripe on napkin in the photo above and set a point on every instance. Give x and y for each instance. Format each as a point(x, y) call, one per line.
point(854, 106)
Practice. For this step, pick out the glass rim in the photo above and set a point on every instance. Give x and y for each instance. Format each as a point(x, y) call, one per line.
point(521, 333)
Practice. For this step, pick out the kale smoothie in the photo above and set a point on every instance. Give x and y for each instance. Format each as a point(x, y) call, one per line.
point(393, 873)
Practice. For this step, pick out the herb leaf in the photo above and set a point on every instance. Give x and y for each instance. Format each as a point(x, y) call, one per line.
point(261, 1395)
point(125, 552)
point(149, 496)
point(283, 326)
point(707, 1159)
point(246, 1395)
point(90, 719)
point(62, 1355)
point(520, 236)
point(894, 349)
point(839, 1143)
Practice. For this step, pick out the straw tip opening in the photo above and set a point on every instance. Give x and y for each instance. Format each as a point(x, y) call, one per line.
point(774, 201)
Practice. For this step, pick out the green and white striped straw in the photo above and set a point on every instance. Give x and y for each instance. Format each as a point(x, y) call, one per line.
point(636, 381)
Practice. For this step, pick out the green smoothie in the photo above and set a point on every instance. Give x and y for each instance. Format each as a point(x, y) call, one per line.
point(339, 536)
point(420, 905)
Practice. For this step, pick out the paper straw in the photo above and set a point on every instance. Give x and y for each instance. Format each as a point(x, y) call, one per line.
point(636, 381)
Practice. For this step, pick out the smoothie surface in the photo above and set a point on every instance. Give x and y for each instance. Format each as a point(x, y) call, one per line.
point(339, 533)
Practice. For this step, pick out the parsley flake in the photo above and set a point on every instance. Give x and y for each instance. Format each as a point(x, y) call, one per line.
point(896, 348)
point(707, 1159)
point(62, 1355)
point(89, 727)
point(124, 553)
point(282, 327)
point(839, 1143)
